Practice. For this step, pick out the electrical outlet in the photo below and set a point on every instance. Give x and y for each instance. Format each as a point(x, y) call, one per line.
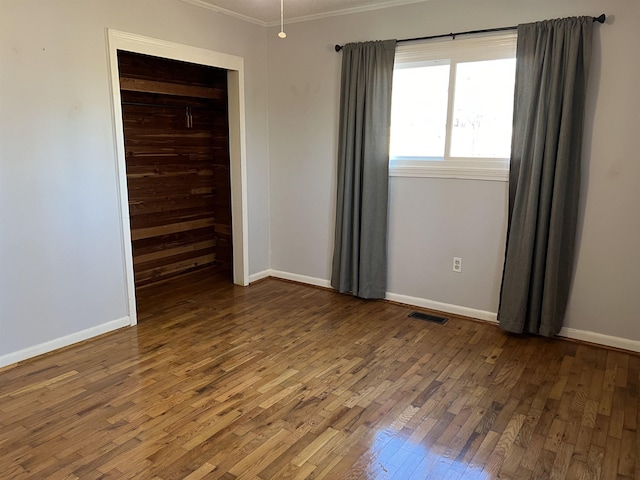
point(457, 264)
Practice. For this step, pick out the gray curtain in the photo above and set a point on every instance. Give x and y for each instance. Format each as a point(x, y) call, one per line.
point(360, 248)
point(552, 64)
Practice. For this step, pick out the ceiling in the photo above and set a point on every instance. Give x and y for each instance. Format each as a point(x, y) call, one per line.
point(267, 12)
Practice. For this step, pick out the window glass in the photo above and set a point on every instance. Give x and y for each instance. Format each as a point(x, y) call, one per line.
point(452, 108)
point(483, 109)
point(419, 112)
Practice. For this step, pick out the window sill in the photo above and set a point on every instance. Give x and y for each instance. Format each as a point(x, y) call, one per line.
point(464, 172)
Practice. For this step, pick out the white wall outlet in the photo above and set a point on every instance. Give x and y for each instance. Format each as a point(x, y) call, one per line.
point(457, 264)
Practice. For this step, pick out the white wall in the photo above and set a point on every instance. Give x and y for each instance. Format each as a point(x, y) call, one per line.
point(431, 220)
point(61, 257)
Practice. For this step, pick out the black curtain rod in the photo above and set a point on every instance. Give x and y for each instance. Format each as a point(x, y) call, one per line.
point(599, 19)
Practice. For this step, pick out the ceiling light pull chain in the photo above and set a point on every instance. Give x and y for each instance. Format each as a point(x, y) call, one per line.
point(282, 34)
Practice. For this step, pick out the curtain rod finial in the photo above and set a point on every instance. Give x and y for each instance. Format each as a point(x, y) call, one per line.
point(338, 48)
point(600, 19)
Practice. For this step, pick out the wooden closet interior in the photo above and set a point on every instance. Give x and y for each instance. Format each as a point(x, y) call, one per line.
point(176, 131)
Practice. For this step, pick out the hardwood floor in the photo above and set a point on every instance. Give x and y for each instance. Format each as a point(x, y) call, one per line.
point(280, 380)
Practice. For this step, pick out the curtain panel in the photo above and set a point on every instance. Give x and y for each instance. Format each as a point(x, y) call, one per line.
point(360, 248)
point(552, 65)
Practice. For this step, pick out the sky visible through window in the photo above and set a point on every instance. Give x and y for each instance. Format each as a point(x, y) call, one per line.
point(419, 111)
point(482, 110)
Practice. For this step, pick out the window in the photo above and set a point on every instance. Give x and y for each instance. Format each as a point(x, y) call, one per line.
point(452, 108)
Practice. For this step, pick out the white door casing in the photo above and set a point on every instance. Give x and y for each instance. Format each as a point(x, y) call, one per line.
point(237, 150)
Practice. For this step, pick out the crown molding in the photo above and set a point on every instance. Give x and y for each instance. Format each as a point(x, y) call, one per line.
point(304, 18)
point(224, 11)
point(346, 11)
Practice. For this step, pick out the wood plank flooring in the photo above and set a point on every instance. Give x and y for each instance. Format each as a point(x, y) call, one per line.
point(285, 381)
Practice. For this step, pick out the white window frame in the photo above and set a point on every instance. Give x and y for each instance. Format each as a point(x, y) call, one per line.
point(475, 48)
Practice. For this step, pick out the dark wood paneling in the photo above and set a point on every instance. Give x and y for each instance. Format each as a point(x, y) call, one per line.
point(148, 67)
point(167, 88)
point(177, 150)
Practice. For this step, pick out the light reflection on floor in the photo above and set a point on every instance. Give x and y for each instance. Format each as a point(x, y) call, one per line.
point(392, 455)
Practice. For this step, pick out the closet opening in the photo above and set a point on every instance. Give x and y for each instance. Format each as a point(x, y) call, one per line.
point(175, 118)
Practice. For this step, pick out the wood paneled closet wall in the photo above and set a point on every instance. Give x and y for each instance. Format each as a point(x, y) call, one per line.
point(176, 131)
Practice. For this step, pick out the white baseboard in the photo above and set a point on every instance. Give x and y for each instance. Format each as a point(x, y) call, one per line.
point(442, 307)
point(318, 282)
point(65, 341)
point(259, 276)
point(600, 339)
point(572, 333)
point(586, 336)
